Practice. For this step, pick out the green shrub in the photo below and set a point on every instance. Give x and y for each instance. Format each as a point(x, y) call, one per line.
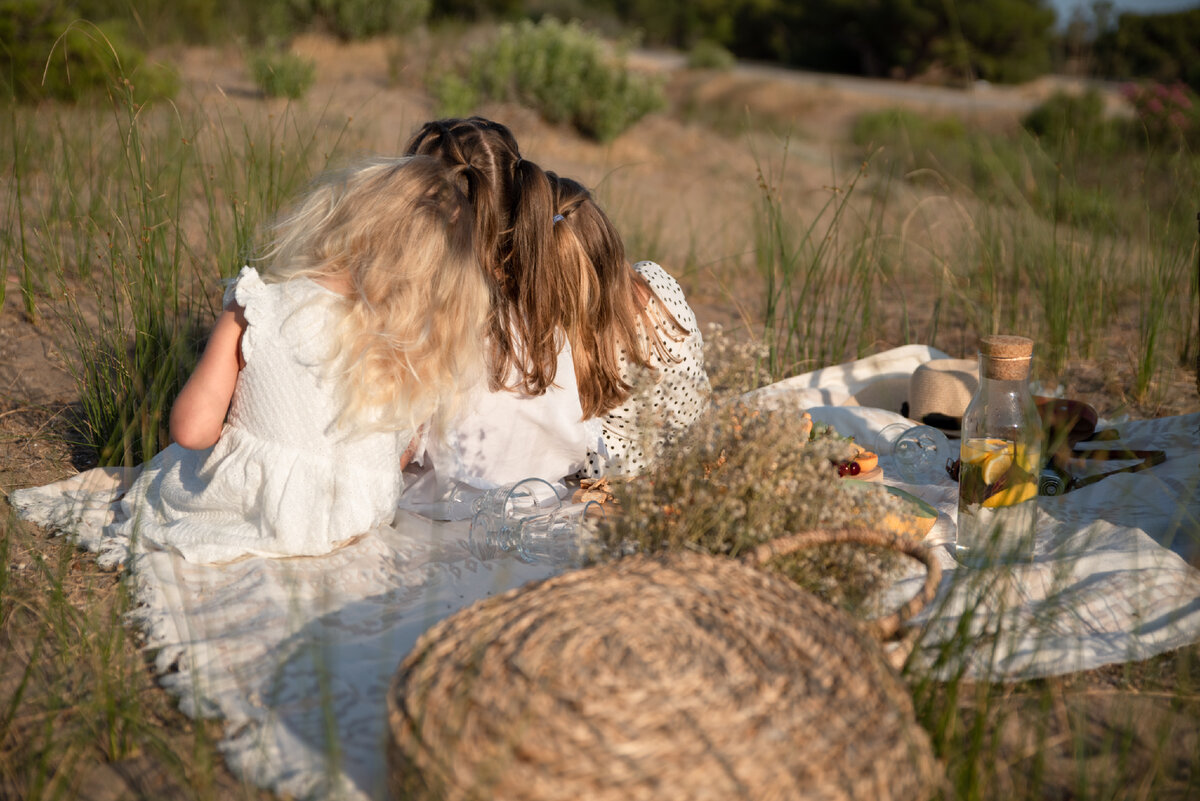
point(44, 55)
point(282, 74)
point(877, 127)
point(708, 55)
point(565, 73)
point(455, 97)
point(1078, 119)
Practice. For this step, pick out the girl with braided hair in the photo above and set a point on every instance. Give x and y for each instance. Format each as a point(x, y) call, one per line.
point(638, 352)
point(572, 324)
point(525, 420)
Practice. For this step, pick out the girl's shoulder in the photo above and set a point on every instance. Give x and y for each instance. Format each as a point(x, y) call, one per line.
point(668, 290)
point(651, 270)
point(243, 289)
point(658, 278)
point(249, 288)
point(292, 308)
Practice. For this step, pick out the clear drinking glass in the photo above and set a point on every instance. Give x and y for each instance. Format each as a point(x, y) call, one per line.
point(528, 520)
point(527, 496)
point(497, 509)
point(559, 537)
point(919, 452)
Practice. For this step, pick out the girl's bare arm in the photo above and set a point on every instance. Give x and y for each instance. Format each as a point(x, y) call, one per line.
point(199, 412)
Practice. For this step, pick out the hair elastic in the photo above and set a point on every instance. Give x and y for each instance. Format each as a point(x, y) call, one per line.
point(558, 218)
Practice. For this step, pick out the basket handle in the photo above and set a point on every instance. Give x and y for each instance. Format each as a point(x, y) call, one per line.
point(884, 628)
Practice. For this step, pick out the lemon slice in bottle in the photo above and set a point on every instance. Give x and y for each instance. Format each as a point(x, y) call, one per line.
point(1011, 496)
point(979, 451)
point(996, 466)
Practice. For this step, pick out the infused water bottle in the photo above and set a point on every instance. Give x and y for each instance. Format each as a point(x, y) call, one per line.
point(1000, 458)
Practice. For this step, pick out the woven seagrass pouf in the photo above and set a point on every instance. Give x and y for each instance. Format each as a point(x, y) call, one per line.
point(680, 676)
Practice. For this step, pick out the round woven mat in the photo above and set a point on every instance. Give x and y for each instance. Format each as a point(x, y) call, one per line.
point(679, 676)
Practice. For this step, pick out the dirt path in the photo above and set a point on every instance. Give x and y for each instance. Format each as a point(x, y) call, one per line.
point(980, 97)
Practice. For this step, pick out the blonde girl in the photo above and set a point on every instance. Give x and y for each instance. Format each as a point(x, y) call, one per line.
point(291, 433)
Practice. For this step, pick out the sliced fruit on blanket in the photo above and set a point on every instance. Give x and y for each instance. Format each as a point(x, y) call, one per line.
point(914, 518)
point(867, 461)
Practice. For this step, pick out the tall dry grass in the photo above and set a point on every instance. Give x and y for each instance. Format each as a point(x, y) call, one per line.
point(128, 216)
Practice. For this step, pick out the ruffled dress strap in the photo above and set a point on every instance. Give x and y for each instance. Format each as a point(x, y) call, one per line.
point(250, 292)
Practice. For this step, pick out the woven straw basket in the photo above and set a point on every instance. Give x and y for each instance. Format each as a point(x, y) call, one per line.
point(678, 676)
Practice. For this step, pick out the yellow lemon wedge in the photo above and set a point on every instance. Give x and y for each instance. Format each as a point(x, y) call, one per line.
point(996, 466)
point(977, 451)
point(914, 517)
point(1011, 496)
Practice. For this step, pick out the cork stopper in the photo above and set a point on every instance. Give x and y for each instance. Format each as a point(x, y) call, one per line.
point(1005, 357)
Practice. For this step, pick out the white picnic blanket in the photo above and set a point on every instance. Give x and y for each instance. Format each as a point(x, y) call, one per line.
point(1110, 581)
point(296, 654)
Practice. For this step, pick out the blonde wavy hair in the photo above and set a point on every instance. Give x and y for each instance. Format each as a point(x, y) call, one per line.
point(396, 233)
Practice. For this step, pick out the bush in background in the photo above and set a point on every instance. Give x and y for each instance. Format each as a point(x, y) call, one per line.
point(709, 55)
point(565, 73)
point(279, 73)
point(46, 55)
point(152, 23)
point(456, 96)
point(1073, 117)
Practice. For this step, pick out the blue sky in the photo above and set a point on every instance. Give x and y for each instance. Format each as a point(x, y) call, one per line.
point(1064, 7)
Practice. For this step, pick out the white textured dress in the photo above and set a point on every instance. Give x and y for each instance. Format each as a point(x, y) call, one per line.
point(635, 431)
point(502, 437)
point(282, 480)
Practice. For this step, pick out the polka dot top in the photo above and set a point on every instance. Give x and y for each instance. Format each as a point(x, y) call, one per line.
point(664, 403)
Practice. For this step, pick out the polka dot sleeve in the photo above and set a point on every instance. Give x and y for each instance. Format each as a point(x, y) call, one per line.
point(662, 404)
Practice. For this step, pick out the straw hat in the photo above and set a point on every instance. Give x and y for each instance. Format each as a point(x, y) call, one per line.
point(939, 391)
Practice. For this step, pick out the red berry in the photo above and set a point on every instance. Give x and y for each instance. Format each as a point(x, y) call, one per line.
point(854, 468)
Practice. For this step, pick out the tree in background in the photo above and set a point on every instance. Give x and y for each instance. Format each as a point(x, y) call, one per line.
point(683, 23)
point(864, 37)
point(477, 9)
point(1000, 40)
point(1162, 47)
point(1007, 41)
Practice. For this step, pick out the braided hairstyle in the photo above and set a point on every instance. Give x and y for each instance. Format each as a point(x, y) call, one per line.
point(557, 266)
point(509, 196)
point(608, 315)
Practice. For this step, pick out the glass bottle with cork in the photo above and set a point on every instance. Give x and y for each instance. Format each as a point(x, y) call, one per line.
point(1001, 456)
